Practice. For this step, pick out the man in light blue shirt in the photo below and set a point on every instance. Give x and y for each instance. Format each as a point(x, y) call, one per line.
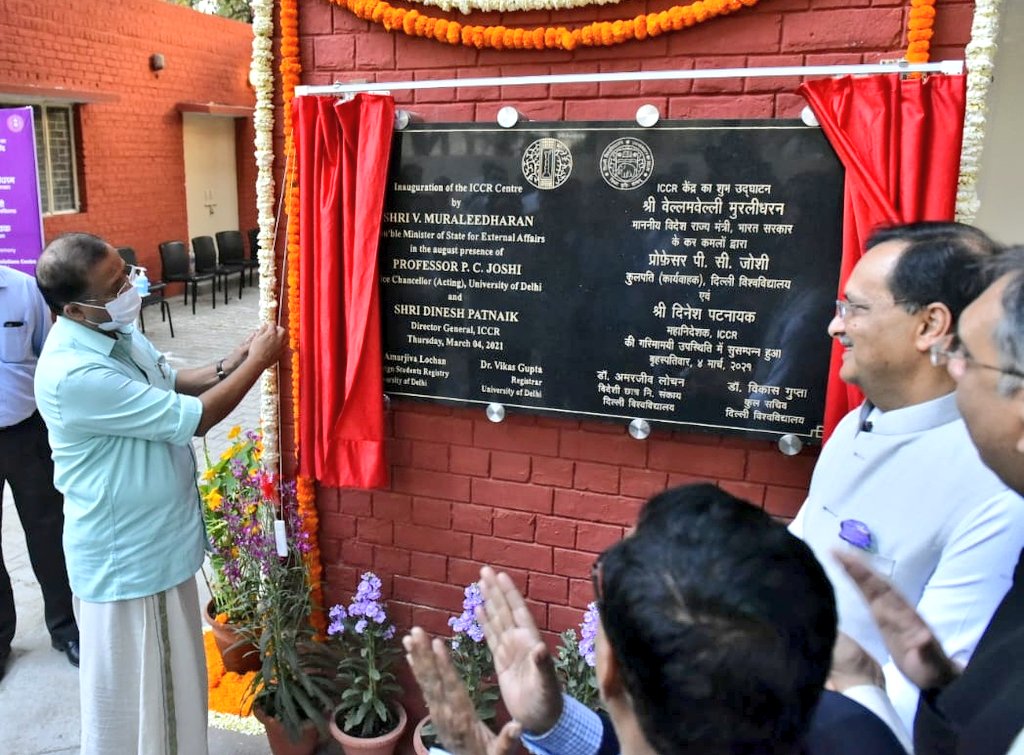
point(26, 466)
point(120, 424)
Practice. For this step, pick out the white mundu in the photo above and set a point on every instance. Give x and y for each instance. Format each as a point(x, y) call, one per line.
point(945, 531)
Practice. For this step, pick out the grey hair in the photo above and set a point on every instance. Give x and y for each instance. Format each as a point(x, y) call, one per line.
point(1009, 332)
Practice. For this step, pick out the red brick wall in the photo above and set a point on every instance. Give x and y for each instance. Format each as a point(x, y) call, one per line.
point(541, 497)
point(131, 169)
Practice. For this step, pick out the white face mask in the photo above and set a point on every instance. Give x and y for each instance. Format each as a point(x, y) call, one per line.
point(123, 310)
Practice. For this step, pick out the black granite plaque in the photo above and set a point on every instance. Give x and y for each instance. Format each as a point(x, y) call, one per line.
point(683, 274)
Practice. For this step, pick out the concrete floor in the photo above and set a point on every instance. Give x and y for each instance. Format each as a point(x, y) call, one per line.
point(39, 710)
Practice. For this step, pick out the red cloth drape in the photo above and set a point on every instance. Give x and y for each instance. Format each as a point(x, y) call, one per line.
point(899, 141)
point(342, 154)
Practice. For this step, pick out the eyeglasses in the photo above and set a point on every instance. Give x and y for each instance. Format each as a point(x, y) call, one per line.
point(131, 274)
point(597, 580)
point(951, 354)
point(845, 309)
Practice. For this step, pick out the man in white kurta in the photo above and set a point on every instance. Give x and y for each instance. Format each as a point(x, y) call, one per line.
point(931, 516)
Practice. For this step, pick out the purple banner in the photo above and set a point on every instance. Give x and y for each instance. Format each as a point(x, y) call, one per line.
point(21, 219)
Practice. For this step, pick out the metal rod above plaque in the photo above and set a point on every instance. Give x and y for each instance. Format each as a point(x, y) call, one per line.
point(684, 274)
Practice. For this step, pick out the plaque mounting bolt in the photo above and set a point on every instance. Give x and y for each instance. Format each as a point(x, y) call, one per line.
point(495, 412)
point(790, 444)
point(508, 117)
point(403, 118)
point(647, 115)
point(639, 429)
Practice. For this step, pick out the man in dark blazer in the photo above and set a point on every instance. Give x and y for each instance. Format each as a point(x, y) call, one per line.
point(978, 710)
point(716, 635)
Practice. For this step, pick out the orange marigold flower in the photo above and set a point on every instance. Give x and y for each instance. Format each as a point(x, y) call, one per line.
point(409, 22)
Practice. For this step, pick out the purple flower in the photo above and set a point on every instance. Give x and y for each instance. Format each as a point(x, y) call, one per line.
point(588, 633)
point(465, 623)
point(856, 534)
point(360, 626)
point(338, 616)
point(389, 632)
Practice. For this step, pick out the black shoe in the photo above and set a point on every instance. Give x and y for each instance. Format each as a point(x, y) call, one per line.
point(69, 648)
point(3, 662)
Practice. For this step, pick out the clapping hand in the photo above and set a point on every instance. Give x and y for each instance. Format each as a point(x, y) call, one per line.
point(526, 671)
point(914, 648)
point(451, 710)
point(852, 666)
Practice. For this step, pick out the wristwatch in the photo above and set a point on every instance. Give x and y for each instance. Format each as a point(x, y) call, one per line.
point(220, 370)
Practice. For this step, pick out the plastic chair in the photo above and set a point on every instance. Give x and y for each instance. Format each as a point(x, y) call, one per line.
point(254, 250)
point(155, 287)
point(232, 255)
point(175, 268)
point(206, 262)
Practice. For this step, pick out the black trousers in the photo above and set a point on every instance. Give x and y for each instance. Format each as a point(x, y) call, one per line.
point(25, 464)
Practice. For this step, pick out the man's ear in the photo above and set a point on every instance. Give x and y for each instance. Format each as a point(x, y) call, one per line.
point(936, 321)
point(73, 312)
point(1018, 407)
point(609, 678)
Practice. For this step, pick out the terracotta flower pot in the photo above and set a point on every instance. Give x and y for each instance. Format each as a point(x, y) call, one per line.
point(237, 658)
point(417, 737)
point(280, 742)
point(382, 745)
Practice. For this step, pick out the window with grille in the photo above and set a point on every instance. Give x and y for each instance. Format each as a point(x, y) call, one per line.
point(56, 157)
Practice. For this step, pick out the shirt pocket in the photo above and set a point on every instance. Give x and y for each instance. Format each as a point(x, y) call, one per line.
point(882, 565)
point(15, 344)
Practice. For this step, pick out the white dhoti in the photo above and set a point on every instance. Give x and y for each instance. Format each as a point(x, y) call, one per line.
point(143, 675)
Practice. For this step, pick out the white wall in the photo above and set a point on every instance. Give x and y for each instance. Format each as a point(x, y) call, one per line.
point(211, 178)
point(1001, 178)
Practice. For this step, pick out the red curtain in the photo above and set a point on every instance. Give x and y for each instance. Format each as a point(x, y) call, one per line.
point(342, 154)
point(899, 141)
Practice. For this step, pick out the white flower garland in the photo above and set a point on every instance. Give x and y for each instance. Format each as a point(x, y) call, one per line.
point(508, 6)
point(261, 76)
point(980, 53)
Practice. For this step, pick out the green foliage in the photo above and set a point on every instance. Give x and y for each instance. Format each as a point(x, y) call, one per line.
point(369, 653)
point(231, 489)
point(236, 9)
point(295, 681)
point(577, 677)
point(475, 665)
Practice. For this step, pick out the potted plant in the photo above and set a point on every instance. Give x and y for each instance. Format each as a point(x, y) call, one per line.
point(231, 489)
point(295, 681)
point(369, 719)
point(472, 659)
point(576, 659)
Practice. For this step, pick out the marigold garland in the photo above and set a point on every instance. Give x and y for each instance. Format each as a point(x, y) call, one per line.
point(229, 700)
point(597, 34)
point(919, 30)
point(291, 69)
